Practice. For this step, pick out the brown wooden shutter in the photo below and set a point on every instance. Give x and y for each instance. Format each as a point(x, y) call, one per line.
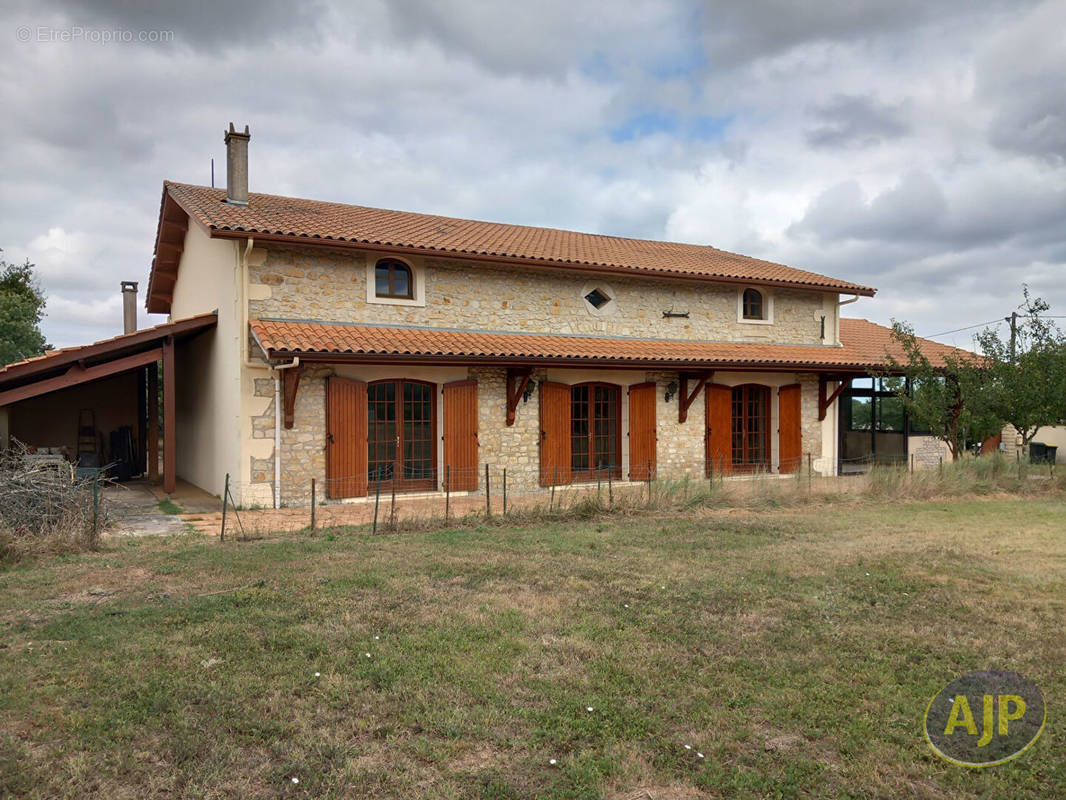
point(719, 412)
point(789, 431)
point(642, 437)
point(554, 433)
point(346, 432)
point(460, 435)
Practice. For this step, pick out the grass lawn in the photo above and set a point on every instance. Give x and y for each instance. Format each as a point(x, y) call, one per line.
point(796, 650)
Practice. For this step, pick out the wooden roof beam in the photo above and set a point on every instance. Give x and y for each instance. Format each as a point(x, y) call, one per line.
point(687, 398)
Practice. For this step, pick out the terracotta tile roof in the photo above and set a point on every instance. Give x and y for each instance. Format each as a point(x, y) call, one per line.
point(865, 345)
point(314, 220)
point(116, 345)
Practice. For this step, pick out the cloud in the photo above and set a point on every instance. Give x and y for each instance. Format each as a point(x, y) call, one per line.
point(856, 121)
point(914, 146)
point(1022, 75)
point(200, 24)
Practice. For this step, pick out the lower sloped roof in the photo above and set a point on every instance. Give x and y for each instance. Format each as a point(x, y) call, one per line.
point(865, 345)
point(85, 357)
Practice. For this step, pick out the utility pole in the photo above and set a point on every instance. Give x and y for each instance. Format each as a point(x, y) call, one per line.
point(1013, 320)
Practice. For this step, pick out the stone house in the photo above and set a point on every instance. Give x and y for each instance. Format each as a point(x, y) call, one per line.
point(360, 346)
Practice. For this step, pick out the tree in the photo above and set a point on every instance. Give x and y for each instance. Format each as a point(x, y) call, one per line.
point(950, 401)
point(21, 310)
point(1027, 369)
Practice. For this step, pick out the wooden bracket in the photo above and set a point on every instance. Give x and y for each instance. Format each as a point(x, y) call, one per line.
point(824, 399)
point(290, 382)
point(685, 397)
point(517, 381)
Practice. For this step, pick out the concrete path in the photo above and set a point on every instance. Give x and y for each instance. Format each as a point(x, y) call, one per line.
point(134, 508)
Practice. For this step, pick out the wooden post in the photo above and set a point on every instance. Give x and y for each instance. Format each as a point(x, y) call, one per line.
point(142, 419)
point(392, 508)
point(377, 501)
point(488, 494)
point(312, 505)
point(153, 422)
point(170, 427)
point(447, 491)
point(225, 502)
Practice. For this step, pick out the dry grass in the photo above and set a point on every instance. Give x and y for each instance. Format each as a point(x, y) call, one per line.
point(988, 476)
point(795, 647)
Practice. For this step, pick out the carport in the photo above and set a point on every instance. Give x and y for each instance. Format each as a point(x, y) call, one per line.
point(111, 386)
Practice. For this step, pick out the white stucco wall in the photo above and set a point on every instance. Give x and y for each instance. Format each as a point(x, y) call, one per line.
point(208, 372)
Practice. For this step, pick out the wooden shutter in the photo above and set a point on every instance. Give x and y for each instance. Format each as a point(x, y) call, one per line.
point(554, 433)
point(789, 432)
point(460, 435)
point(642, 438)
point(719, 411)
point(345, 438)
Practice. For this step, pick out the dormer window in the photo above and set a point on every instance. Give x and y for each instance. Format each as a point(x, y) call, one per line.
point(753, 304)
point(393, 279)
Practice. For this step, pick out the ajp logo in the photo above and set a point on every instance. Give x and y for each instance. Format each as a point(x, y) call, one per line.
point(985, 718)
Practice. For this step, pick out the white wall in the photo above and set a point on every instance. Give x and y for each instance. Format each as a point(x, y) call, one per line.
point(208, 366)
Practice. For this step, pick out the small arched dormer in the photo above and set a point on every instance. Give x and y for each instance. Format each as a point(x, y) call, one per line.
point(755, 305)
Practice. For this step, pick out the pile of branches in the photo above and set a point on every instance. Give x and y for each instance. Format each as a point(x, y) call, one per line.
point(46, 506)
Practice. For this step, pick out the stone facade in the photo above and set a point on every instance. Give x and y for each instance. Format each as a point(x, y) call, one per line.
point(680, 447)
point(303, 447)
point(294, 283)
point(516, 447)
point(290, 283)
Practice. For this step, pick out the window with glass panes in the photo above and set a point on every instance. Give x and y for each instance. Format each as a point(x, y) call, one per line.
point(751, 423)
point(595, 430)
point(392, 278)
point(401, 426)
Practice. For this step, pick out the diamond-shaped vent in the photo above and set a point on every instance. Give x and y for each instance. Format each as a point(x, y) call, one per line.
point(597, 298)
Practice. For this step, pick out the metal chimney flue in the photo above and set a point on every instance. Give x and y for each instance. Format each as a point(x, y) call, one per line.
point(237, 166)
point(129, 306)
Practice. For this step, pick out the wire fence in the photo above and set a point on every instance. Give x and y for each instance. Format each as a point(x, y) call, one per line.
point(384, 499)
point(380, 501)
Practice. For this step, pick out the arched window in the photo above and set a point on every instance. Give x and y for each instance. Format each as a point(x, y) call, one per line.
point(392, 278)
point(753, 304)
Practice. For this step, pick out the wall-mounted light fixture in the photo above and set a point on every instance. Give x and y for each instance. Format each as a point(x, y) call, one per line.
point(528, 393)
point(671, 313)
point(671, 390)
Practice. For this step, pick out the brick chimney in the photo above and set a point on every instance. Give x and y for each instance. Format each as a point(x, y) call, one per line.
point(129, 306)
point(237, 166)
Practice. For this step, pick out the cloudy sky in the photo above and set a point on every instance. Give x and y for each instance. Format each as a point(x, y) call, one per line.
point(916, 146)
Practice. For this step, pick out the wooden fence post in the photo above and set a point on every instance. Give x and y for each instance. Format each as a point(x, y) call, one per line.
point(225, 500)
point(377, 501)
